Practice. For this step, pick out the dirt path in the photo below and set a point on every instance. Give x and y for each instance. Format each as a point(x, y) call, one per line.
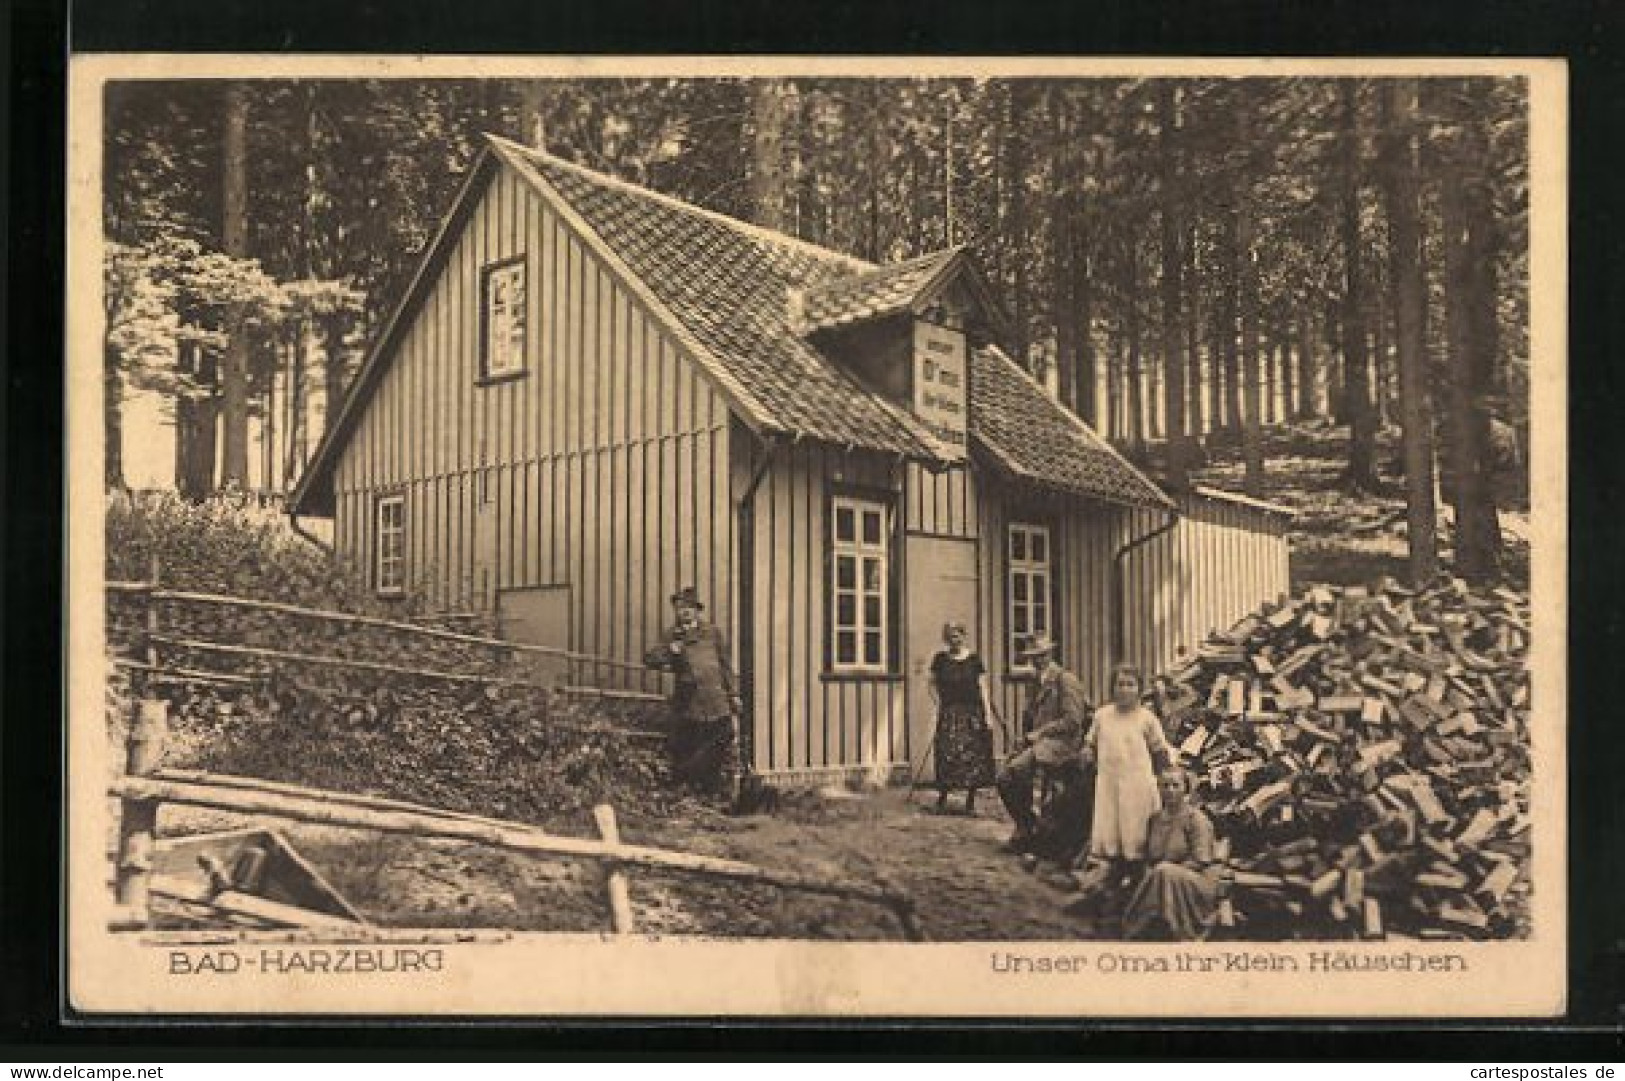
point(965, 886)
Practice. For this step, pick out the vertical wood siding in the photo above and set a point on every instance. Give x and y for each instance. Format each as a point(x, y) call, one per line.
point(1223, 561)
point(802, 719)
point(1219, 563)
point(594, 469)
point(1083, 537)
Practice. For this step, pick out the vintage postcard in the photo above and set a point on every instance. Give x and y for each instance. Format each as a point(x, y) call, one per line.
point(817, 537)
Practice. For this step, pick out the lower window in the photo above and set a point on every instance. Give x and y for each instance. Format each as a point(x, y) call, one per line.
point(389, 545)
point(860, 585)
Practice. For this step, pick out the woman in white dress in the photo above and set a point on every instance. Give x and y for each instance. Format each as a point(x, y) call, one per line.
point(1128, 749)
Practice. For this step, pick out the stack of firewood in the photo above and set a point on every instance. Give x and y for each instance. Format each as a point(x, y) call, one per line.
point(1364, 754)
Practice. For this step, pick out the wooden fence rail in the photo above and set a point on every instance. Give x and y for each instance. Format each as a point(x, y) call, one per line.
point(243, 795)
point(396, 669)
point(154, 593)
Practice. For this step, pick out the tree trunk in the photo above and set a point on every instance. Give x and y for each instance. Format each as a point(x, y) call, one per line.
point(1361, 475)
point(1470, 297)
point(1085, 380)
point(1173, 358)
point(769, 184)
point(533, 113)
point(1289, 387)
point(1215, 365)
point(872, 246)
point(196, 416)
point(1305, 406)
point(1232, 316)
point(1136, 389)
point(950, 205)
point(1114, 390)
point(1062, 254)
point(1015, 159)
point(1269, 353)
point(113, 420)
point(1252, 442)
point(1335, 368)
point(1193, 337)
point(234, 240)
point(335, 365)
point(298, 409)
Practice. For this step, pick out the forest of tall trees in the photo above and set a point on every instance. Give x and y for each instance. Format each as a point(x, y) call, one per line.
point(1189, 262)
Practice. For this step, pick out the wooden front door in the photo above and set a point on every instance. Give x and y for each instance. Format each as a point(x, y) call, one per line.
point(941, 575)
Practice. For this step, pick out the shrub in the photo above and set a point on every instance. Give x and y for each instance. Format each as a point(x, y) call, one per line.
point(504, 750)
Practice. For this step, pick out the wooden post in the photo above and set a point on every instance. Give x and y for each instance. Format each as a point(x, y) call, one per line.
point(620, 900)
point(138, 818)
point(143, 750)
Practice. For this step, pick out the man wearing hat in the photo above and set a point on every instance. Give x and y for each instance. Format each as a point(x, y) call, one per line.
point(1058, 717)
point(704, 739)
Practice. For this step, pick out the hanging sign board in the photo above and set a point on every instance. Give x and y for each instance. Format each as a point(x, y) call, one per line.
point(941, 386)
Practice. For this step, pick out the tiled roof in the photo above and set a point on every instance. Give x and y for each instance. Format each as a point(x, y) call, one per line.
point(730, 285)
point(874, 294)
point(735, 289)
point(1033, 438)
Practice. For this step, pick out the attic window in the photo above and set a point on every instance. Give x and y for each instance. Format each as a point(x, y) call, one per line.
point(503, 319)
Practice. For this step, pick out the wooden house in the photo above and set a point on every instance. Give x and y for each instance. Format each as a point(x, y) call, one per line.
point(592, 394)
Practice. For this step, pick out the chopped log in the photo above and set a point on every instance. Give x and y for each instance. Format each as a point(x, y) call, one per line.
point(1260, 802)
point(1371, 923)
point(1354, 888)
point(1478, 830)
point(1461, 915)
point(1495, 884)
point(1399, 723)
point(1326, 884)
point(1192, 745)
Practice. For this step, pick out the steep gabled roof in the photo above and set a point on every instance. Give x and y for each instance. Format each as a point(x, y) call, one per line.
point(729, 285)
point(742, 300)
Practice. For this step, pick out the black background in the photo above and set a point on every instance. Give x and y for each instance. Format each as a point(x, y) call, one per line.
point(1589, 35)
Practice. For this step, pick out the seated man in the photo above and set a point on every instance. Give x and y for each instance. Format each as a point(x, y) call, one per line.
point(1057, 715)
point(1064, 816)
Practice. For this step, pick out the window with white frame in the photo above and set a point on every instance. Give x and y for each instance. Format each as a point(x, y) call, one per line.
point(389, 545)
point(860, 584)
point(1029, 588)
point(503, 348)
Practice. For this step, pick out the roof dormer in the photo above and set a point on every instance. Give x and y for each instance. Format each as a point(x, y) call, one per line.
point(906, 331)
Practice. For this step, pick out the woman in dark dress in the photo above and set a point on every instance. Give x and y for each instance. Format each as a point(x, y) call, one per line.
point(964, 742)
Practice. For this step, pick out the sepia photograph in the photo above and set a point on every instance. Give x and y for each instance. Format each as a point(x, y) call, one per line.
point(795, 537)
